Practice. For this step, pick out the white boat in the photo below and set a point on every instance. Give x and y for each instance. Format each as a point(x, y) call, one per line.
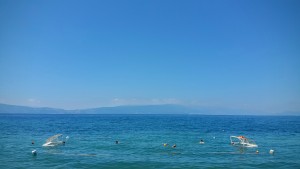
point(55, 141)
point(242, 141)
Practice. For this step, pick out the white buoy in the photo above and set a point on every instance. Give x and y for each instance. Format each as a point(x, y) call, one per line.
point(34, 152)
point(271, 151)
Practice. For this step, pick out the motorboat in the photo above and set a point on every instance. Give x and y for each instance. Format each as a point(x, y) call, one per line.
point(242, 141)
point(55, 140)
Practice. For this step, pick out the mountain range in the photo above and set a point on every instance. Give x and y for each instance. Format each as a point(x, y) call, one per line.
point(144, 109)
point(135, 109)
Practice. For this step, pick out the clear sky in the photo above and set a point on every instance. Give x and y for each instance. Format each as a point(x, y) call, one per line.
point(82, 54)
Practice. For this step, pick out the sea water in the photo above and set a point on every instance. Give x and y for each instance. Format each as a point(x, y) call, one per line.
point(92, 141)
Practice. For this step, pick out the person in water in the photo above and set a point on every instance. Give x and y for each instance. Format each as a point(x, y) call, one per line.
point(174, 146)
point(117, 142)
point(201, 141)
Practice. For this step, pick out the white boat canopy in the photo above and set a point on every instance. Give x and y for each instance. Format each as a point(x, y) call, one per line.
point(53, 138)
point(242, 141)
point(54, 141)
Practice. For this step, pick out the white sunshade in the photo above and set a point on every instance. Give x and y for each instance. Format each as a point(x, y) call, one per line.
point(53, 138)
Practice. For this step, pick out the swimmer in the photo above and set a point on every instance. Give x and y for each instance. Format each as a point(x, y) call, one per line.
point(32, 142)
point(257, 152)
point(201, 141)
point(174, 146)
point(117, 142)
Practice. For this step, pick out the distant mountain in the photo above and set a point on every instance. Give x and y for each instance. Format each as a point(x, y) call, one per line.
point(13, 109)
point(148, 109)
point(289, 113)
point(137, 109)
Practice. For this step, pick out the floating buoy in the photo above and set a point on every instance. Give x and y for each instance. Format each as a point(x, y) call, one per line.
point(271, 151)
point(34, 152)
point(165, 144)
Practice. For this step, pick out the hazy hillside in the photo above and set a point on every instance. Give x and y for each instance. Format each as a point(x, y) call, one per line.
point(148, 109)
point(141, 109)
point(13, 109)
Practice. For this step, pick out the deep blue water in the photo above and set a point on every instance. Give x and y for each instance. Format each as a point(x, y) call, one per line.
point(141, 137)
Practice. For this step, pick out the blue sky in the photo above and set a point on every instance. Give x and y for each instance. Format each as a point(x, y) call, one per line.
point(82, 54)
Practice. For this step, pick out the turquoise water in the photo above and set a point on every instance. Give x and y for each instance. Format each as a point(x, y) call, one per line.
point(141, 138)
